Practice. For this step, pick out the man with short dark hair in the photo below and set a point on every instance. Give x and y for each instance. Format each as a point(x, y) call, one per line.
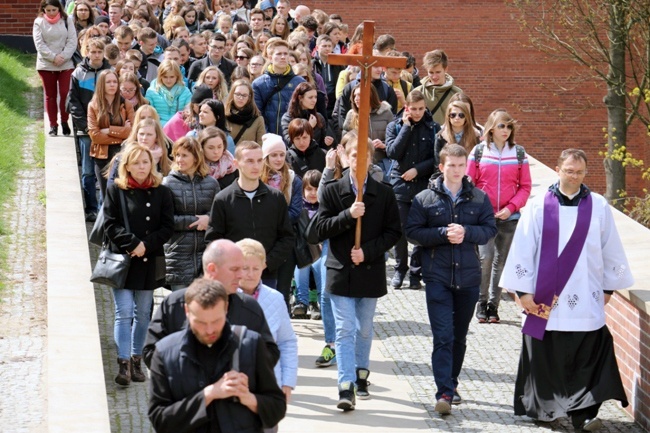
point(451, 267)
point(330, 73)
point(216, 50)
point(248, 208)
point(211, 376)
point(565, 262)
point(256, 23)
point(152, 54)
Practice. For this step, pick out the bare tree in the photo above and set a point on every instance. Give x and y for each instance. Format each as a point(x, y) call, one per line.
point(610, 39)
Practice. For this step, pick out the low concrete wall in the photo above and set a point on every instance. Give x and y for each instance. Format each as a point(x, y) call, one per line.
point(75, 384)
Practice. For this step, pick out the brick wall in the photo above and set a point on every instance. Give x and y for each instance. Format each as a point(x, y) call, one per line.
point(17, 17)
point(490, 61)
point(631, 330)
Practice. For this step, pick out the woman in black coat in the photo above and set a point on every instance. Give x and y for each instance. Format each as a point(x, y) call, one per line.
point(193, 190)
point(150, 213)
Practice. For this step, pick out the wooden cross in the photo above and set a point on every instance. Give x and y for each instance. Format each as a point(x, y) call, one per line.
point(365, 60)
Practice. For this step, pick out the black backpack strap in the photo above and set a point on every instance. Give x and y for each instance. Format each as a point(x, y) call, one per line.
point(521, 156)
point(302, 162)
point(238, 331)
point(243, 129)
point(478, 154)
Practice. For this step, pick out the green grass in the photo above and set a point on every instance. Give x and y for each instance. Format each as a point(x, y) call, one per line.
point(39, 150)
point(18, 78)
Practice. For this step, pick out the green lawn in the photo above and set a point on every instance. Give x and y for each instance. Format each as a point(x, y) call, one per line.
point(18, 81)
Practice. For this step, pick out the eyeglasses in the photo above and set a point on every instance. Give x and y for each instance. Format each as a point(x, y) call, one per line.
point(572, 173)
point(240, 95)
point(242, 57)
point(124, 90)
point(503, 126)
point(453, 115)
point(217, 48)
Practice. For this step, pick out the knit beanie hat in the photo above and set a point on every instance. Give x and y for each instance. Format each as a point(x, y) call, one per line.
point(201, 93)
point(272, 143)
point(102, 19)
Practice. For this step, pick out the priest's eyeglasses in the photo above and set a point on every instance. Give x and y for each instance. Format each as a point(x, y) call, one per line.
point(572, 173)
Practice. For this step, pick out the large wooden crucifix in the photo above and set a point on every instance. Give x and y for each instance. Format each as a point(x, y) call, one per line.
point(365, 60)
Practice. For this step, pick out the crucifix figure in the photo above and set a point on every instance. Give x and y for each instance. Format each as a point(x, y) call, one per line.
point(365, 61)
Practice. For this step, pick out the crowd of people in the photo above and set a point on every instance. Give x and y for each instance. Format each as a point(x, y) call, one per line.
point(224, 146)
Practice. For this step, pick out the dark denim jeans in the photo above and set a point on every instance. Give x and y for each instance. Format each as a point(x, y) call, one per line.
point(450, 312)
point(401, 248)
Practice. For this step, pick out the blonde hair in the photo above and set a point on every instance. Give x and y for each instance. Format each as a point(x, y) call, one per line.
point(165, 163)
point(221, 91)
point(130, 153)
point(171, 23)
point(252, 248)
point(169, 67)
point(285, 181)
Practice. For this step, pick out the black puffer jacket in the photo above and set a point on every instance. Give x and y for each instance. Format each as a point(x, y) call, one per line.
point(411, 147)
point(184, 250)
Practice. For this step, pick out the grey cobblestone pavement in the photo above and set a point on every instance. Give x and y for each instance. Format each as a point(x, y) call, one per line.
point(403, 334)
point(488, 375)
point(23, 304)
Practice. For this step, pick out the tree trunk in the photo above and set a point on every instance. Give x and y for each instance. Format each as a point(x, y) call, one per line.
point(616, 104)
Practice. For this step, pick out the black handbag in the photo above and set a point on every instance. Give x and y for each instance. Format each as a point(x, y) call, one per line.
point(112, 268)
point(96, 236)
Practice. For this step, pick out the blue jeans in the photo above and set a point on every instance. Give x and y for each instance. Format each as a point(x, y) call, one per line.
point(132, 316)
point(326, 313)
point(493, 258)
point(301, 275)
point(88, 178)
point(353, 318)
point(450, 311)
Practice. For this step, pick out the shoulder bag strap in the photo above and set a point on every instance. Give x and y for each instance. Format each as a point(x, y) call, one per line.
point(125, 215)
point(440, 101)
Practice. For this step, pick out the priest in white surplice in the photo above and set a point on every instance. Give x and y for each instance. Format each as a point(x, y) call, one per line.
point(565, 261)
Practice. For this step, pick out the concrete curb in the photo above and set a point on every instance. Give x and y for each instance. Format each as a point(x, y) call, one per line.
point(75, 384)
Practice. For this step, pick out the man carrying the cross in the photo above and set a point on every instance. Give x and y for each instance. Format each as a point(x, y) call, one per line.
point(356, 278)
point(565, 262)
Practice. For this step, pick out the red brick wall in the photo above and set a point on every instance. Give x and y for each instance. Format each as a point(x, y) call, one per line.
point(489, 59)
point(17, 17)
point(631, 330)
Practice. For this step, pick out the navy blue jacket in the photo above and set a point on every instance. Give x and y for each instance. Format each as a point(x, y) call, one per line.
point(454, 265)
point(411, 147)
point(272, 103)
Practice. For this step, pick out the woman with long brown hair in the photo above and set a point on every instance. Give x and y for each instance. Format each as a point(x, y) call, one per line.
point(55, 39)
point(242, 115)
point(303, 106)
point(110, 119)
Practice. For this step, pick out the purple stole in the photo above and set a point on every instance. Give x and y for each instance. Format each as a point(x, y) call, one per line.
point(554, 271)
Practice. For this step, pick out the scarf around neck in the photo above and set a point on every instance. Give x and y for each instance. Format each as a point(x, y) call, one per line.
point(133, 184)
point(239, 117)
point(52, 20)
point(224, 166)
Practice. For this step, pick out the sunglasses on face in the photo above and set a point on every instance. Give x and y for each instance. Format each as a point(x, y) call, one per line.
point(241, 57)
point(503, 126)
point(453, 115)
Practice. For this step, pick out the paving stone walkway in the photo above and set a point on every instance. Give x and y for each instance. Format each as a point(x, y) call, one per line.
point(402, 334)
point(23, 305)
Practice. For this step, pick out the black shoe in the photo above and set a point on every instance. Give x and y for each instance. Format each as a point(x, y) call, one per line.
point(492, 313)
point(481, 312)
point(65, 129)
point(299, 310)
point(347, 400)
point(91, 216)
point(54, 131)
point(362, 383)
point(397, 280)
point(414, 283)
point(314, 311)
point(456, 399)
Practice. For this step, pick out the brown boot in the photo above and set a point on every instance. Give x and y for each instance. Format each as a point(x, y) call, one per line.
point(136, 369)
point(124, 376)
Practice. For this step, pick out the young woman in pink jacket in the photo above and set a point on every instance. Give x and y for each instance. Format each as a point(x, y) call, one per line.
point(499, 167)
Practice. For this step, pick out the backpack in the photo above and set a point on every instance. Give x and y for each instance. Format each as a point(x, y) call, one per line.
point(521, 155)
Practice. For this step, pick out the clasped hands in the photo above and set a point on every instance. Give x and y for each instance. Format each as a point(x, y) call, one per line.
point(231, 384)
